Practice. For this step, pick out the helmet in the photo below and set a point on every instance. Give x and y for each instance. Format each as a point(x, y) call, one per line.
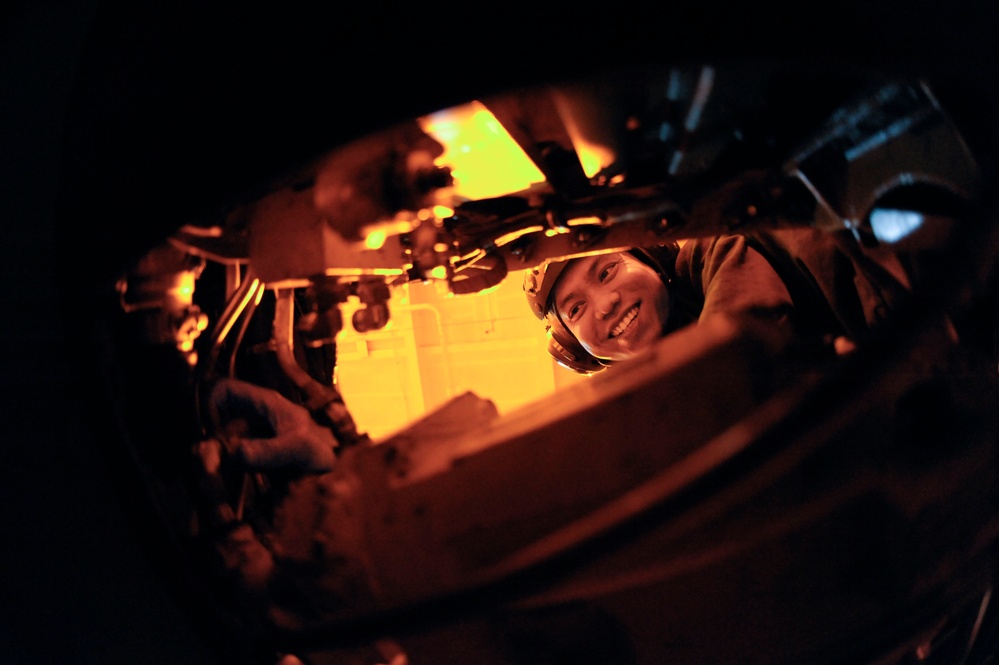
point(538, 284)
point(562, 344)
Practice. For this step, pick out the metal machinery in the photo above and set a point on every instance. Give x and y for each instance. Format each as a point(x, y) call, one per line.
point(720, 501)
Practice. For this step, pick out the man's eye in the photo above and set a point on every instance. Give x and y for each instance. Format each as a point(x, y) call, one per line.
point(607, 271)
point(574, 311)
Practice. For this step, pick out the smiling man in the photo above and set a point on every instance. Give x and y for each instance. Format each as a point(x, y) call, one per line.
point(605, 308)
point(613, 304)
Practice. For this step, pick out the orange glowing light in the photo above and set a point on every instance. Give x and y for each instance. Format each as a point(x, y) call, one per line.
point(439, 272)
point(595, 147)
point(375, 239)
point(592, 156)
point(484, 159)
point(184, 287)
point(250, 293)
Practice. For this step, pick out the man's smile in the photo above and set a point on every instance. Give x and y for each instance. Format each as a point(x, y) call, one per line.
point(625, 321)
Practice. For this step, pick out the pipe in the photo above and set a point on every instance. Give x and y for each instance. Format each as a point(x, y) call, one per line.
point(325, 402)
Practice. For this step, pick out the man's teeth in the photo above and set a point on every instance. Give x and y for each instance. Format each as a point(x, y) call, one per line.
point(625, 322)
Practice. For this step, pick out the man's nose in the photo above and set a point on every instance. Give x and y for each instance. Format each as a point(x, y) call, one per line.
point(606, 304)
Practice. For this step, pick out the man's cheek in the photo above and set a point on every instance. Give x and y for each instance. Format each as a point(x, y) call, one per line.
point(588, 344)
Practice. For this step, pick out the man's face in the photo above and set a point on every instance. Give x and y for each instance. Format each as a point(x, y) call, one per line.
point(615, 305)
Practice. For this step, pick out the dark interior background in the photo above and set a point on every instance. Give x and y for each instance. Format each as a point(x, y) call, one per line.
point(122, 120)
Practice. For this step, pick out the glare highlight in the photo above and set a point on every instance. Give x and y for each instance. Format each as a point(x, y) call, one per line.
point(484, 159)
point(443, 212)
point(375, 240)
point(893, 225)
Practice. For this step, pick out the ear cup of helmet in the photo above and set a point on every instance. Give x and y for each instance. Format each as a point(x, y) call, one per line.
point(568, 352)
